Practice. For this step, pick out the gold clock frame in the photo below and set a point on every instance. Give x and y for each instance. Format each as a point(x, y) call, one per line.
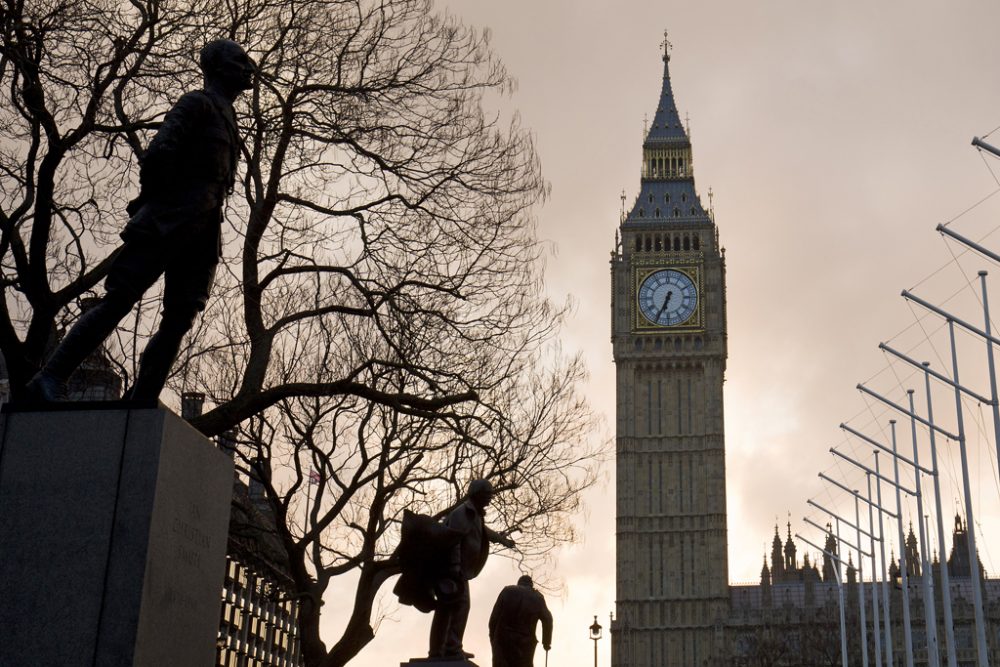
point(694, 323)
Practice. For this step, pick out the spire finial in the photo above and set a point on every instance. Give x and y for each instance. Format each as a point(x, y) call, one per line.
point(666, 46)
point(623, 205)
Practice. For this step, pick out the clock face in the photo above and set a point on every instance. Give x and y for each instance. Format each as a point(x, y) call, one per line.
point(668, 297)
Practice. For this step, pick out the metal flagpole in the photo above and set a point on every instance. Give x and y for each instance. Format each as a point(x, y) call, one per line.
point(907, 630)
point(835, 516)
point(861, 585)
point(841, 540)
point(987, 334)
point(843, 620)
point(949, 624)
point(871, 535)
point(881, 527)
point(933, 472)
point(992, 365)
point(840, 595)
point(979, 143)
point(930, 613)
point(977, 594)
point(885, 573)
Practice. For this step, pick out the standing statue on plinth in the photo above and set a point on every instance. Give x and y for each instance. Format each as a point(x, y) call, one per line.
point(439, 559)
point(515, 616)
point(174, 229)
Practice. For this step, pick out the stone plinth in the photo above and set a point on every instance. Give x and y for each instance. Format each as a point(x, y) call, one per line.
point(438, 662)
point(113, 527)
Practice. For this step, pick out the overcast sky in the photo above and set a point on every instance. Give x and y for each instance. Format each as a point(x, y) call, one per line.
point(835, 137)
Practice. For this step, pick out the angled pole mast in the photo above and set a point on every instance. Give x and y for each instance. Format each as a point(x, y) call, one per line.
point(949, 623)
point(907, 628)
point(977, 593)
point(871, 534)
point(840, 596)
point(861, 583)
point(930, 612)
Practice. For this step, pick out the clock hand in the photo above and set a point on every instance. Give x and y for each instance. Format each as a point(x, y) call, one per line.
point(664, 306)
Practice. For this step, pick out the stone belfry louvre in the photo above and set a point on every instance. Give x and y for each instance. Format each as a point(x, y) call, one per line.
point(669, 344)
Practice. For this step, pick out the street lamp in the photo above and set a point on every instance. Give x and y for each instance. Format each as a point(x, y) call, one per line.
point(595, 634)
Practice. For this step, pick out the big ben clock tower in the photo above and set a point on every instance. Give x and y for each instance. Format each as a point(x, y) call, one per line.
point(669, 341)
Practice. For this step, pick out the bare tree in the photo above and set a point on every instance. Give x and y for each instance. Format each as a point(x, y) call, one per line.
point(380, 318)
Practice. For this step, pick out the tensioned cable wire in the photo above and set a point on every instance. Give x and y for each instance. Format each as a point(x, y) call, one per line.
point(972, 208)
point(984, 436)
point(918, 321)
point(993, 461)
point(980, 425)
point(968, 279)
point(985, 162)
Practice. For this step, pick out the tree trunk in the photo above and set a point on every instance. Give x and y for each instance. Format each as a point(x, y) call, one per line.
point(358, 632)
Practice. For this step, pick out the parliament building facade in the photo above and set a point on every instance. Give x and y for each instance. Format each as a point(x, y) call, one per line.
point(674, 603)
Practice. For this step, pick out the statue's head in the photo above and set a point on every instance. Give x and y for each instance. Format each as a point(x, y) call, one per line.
point(480, 493)
point(525, 580)
point(224, 62)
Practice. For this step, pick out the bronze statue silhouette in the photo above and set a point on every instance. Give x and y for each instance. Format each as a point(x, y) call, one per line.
point(515, 616)
point(174, 228)
point(437, 562)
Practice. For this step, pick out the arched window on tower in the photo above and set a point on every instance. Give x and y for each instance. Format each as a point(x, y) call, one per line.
point(677, 243)
point(658, 243)
point(657, 214)
point(649, 244)
point(687, 242)
point(696, 242)
point(642, 213)
point(677, 212)
point(638, 244)
point(666, 198)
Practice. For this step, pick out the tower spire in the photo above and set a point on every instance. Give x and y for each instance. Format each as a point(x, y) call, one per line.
point(667, 129)
point(667, 190)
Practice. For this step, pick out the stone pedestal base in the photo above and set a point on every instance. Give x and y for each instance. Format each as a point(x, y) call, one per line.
point(113, 527)
point(437, 662)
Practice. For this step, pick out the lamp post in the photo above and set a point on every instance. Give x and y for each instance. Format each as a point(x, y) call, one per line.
point(595, 634)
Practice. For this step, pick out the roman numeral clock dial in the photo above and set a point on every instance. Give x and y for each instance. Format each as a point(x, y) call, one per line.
point(668, 298)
